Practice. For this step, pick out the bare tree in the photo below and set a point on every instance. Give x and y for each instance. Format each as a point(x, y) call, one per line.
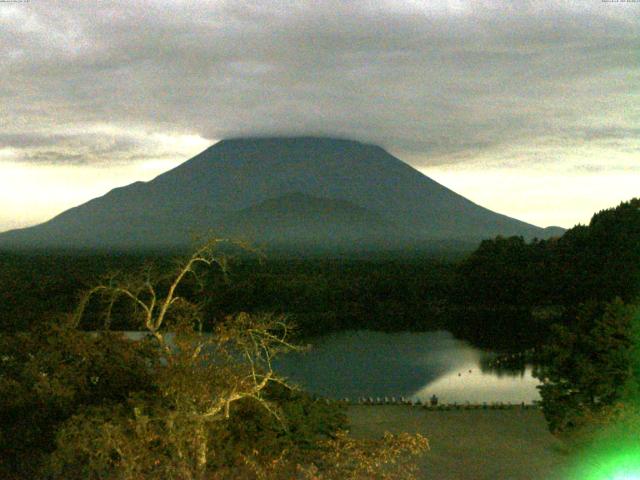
point(200, 374)
point(169, 431)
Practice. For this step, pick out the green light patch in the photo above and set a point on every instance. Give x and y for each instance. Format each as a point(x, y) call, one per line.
point(621, 463)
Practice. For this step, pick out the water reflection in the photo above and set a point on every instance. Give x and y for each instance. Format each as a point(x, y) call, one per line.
point(358, 364)
point(504, 366)
point(474, 386)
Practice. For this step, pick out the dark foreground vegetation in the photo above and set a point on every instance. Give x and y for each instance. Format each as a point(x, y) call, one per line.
point(175, 404)
point(572, 298)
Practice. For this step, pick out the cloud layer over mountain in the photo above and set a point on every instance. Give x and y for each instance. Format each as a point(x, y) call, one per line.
point(443, 81)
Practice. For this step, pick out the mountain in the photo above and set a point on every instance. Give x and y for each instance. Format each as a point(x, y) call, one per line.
point(552, 232)
point(284, 190)
point(304, 218)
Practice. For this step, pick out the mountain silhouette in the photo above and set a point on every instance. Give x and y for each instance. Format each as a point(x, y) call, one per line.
point(306, 219)
point(277, 190)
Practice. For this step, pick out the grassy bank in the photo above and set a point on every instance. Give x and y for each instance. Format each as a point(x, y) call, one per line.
point(511, 444)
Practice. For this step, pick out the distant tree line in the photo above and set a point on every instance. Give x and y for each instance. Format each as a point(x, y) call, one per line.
point(504, 295)
point(317, 294)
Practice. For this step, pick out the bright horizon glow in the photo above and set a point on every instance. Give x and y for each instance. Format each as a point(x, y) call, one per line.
point(538, 197)
point(32, 194)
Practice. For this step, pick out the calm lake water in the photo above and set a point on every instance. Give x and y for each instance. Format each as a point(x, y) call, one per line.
point(356, 364)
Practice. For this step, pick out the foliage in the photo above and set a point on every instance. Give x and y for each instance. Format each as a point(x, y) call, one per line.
point(517, 290)
point(344, 457)
point(178, 403)
point(585, 368)
point(318, 294)
point(51, 371)
point(607, 445)
point(497, 273)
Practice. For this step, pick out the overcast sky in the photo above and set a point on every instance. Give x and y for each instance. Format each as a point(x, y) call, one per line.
point(531, 108)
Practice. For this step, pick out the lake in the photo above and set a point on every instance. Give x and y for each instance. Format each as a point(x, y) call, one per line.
point(356, 364)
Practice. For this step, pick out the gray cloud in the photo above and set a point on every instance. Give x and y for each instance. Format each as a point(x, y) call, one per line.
point(103, 145)
point(443, 83)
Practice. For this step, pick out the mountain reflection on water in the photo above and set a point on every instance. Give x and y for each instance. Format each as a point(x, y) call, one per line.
point(415, 365)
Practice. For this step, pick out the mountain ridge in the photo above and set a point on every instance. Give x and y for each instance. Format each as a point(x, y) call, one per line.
point(237, 174)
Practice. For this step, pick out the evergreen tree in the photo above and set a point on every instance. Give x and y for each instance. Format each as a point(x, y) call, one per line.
point(587, 365)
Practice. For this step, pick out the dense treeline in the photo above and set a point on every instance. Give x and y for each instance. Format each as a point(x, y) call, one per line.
point(316, 294)
point(517, 290)
point(320, 296)
point(594, 262)
point(38, 286)
point(504, 295)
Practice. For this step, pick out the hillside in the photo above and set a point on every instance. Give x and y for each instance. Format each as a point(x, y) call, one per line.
point(346, 191)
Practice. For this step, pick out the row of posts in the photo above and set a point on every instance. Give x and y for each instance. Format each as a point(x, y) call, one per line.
point(433, 404)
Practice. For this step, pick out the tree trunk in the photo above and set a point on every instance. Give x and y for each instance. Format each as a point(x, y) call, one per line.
point(201, 441)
